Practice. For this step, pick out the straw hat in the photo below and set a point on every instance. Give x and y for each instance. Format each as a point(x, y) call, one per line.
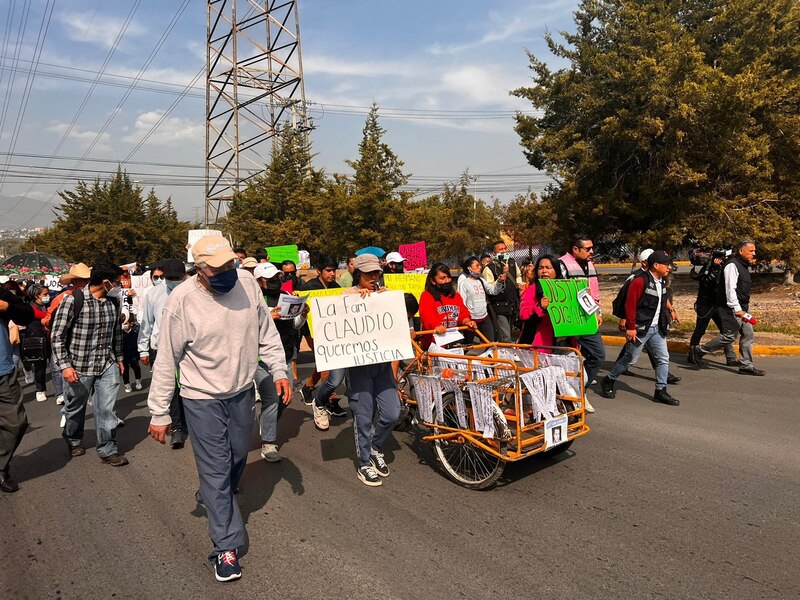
point(76, 271)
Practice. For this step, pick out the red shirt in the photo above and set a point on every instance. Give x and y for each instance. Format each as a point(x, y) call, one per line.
point(448, 311)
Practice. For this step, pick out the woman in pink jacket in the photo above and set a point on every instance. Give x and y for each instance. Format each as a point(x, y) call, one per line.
point(536, 326)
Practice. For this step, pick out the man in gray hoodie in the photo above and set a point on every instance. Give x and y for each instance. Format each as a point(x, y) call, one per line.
point(214, 328)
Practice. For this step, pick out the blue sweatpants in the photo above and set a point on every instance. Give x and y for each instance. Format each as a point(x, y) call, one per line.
point(372, 387)
point(220, 433)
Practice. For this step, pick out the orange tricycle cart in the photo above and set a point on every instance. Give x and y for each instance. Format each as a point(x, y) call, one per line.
point(486, 404)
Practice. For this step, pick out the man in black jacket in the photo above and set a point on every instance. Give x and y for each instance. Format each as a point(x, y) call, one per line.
point(505, 305)
point(13, 420)
point(706, 307)
point(733, 301)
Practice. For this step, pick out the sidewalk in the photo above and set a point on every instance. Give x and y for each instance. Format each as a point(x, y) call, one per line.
point(683, 347)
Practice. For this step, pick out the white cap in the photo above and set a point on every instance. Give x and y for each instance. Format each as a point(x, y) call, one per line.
point(394, 257)
point(645, 254)
point(4, 279)
point(265, 270)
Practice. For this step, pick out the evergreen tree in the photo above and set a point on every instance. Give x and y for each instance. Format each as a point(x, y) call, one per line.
point(110, 221)
point(673, 116)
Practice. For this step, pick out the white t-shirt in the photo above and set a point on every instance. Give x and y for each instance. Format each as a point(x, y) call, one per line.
point(658, 308)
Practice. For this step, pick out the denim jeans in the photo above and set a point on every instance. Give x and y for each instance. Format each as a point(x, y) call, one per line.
point(657, 345)
point(329, 385)
point(372, 389)
point(58, 378)
point(271, 405)
point(104, 388)
point(594, 353)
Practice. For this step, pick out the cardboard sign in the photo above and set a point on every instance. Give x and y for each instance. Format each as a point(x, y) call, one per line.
point(278, 254)
point(566, 313)
point(413, 283)
point(416, 256)
point(353, 331)
point(317, 294)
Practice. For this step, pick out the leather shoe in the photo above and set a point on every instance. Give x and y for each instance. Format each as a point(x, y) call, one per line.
point(664, 397)
point(607, 388)
point(672, 379)
point(697, 356)
point(752, 371)
point(733, 362)
point(176, 439)
point(7, 484)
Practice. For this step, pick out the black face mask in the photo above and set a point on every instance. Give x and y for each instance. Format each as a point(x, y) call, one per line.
point(273, 289)
point(290, 276)
point(446, 289)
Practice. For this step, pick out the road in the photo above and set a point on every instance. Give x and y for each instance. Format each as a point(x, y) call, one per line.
point(699, 501)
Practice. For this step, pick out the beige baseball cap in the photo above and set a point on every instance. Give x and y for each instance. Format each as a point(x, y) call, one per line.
point(212, 250)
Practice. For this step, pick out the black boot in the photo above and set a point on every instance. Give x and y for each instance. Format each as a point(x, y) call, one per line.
point(672, 379)
point(176, 439)
point(7, 483)
point(664, 397)
point(607, 388)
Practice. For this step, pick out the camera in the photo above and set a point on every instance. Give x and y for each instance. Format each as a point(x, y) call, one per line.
point(699, 254)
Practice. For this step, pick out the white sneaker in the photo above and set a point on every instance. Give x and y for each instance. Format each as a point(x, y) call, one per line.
point(128, 387)
point(28, 377)
point(269, 452)
point(41, 396)
point(60, 400)
point(322, 420)
point(589, 407)
point(137, 384)
point(63, 422)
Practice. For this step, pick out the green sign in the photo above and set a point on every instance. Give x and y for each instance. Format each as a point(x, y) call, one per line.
point(278, 254)
point(566, 314)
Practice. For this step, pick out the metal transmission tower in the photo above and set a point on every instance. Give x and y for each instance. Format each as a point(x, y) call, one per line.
point(254, 83)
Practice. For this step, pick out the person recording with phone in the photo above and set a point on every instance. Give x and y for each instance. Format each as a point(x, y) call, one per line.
point(506, 303)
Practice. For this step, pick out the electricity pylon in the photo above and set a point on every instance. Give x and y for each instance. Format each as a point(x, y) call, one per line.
point(254, 84)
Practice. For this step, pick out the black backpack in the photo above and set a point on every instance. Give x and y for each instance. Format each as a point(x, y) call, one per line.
point(618, 304)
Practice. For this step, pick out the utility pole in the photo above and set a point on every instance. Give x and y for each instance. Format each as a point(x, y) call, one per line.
point(254, 84)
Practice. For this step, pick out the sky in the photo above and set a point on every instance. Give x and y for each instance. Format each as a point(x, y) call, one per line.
point(440, 73)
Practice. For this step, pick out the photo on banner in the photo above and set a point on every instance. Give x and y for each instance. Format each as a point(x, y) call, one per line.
point(567, 314)
point(352, 331)
point(555, 431)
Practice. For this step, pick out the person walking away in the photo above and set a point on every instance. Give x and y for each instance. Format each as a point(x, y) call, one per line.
point(214, 328)
point(647, 321)
point(13, 420)
point(733, 301)
point(174, 272)
point(577, 263)
point(87, 344)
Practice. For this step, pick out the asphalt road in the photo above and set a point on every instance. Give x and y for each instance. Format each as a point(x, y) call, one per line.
point(699, 501)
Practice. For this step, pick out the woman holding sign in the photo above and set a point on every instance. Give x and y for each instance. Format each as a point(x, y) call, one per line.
point(372, 388)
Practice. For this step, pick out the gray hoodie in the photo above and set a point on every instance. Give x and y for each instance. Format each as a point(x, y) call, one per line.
point(214, 341)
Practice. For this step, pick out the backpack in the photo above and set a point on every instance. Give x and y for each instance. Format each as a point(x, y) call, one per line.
point(618, 304)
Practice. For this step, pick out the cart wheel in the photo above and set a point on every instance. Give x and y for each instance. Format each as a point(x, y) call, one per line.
point(464, 463)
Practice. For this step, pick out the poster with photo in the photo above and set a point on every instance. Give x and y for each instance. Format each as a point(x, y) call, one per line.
point(555, 431)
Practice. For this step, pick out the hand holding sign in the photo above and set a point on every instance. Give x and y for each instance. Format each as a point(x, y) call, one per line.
point(566, 312)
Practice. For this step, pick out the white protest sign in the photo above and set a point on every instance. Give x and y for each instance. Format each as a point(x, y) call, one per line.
point(194, 237)
point(351, 331)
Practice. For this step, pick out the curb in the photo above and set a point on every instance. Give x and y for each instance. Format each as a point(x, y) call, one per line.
point(676, 346)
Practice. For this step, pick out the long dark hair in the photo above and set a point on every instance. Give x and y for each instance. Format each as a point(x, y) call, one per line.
point(430, 286)
point(553, 261)
point(33, 291)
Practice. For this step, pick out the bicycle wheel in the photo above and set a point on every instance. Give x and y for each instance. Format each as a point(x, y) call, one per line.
point(464, 463)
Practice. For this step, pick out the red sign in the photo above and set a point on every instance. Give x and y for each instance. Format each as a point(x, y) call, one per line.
point(415, 255)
